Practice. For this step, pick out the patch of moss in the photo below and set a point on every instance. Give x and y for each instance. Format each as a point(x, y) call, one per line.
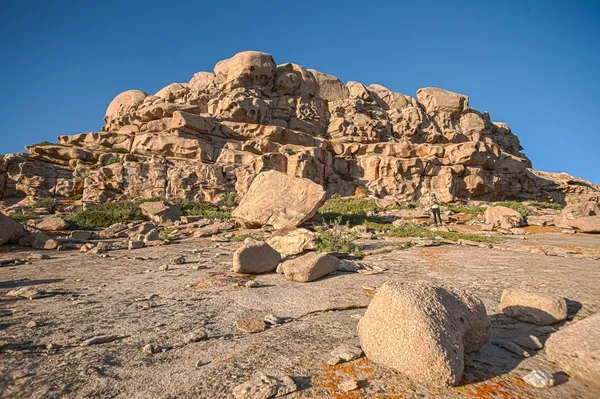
point(113, 160)
point(414, 230)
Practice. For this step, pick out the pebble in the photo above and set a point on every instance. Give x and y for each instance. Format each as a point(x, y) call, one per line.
point(347, 353)
point(348, 385)
point(195, 336)
point(37, 255)
point(178, 260)
point(163, 268)
point(539, 379)
point(273, 319)
point(31, 324)
point(252, 284)
point(148, 349)
point(250, 325)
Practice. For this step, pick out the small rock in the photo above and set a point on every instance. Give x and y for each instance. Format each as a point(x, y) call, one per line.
point(265, 387)
point(539, 379)
point(252, 284)
point(347, 353)
point(163, 268)
point(31, 324)
point(26, 292)
point(37, 255)
point(52, 347)
point(81, 235)
point(512, 347)
point(135, 244)
point(101, 339)
point(178, 260)
point(250, 325)
point(196, 336)
point(532, 307)
point(348, 385)
point(529, 342)
point(152, 235)
point(148, 349)
point(273, 319)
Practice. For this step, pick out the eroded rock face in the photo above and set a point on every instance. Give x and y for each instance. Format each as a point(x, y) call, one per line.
point(214, 134)
point(423, 331)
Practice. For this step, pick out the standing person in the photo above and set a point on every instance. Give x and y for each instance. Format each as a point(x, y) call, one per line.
point(435, 209)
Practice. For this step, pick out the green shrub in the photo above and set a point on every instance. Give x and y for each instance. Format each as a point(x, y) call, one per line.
point(165, 234)
point(336, 237)
point(119, 150)
point(408, 205)
point(23, 217)
point(112, 160)
point(228, 200)
point(548, 205)
point(517, 206)
point(349, 210)
point(405, 245)
point(467, 209)
point(43, 203)
point(204, 209)
point(104, 215)
point(242, 237)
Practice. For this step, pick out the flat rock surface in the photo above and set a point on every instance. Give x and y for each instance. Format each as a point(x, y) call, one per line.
point(126, 295)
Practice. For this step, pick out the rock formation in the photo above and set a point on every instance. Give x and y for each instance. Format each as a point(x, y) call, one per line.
point(212, 135)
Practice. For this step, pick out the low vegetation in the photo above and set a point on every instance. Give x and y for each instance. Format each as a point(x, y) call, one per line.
point(414, 230)
point(104, 215)
point(113, 160)
point(548, 205)
point(337, 237)
point(466, 209)
point(242, 237)
point(166, 234)
point(203, 208)
point(119, 150)
point(23, 217)
point(517, 206)
point(351, 211)
point(229, 200)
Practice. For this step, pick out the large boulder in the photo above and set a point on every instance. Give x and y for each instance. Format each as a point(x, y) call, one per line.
point(588, 224)
point(255, 257)
point(10, 231)
point(163, 213)
point(292, 241)
point(247, 69)
point(423, 331)
point(576, 349)
point(309, 267)
point(571, 213)
point(503, 217)
point(440, 101)
point(123, 103)
point(279, 200)
point(533, 308)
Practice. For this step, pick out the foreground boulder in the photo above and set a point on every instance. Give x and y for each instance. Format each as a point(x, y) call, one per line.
point(163, 213)
point(572, 213)
point(309, 267)
point(255, 257)
point(588, 224)
point(503, 217)
point(290, 242)
point(533, 308)
point(10, 231)
point(52, 223)
point(576, 349)
point(279, 200)
point(38, 241)
point(423, 331)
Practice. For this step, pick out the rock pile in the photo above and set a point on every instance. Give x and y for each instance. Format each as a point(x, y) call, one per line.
point(201, 139)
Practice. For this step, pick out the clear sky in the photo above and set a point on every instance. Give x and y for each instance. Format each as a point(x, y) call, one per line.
point(531, 64)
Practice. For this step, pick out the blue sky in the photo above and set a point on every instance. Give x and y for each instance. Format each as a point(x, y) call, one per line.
point(531, 64)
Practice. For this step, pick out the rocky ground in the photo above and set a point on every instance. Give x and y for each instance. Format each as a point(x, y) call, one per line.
point(125, 297)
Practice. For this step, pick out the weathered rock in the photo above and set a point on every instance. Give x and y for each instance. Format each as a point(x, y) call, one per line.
point(152, 235)
point(588, 224)
point(81, 235)
point(255, 257)
point(310, 267)
point(292, 241)
point(213, 229)
point(423, 331)
point(503, 217)
point(348, 385)
point(265, 387)
point(162, 213)
point(539, 379)
point(250, 325)
point(135, 244)
point(533, 308)
point(114, 230)
point(347, 353)
point(10, 231)
point(52, 223)
point(576, 349)
point(572, 213)
point(279, 200)
point(38, 241)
